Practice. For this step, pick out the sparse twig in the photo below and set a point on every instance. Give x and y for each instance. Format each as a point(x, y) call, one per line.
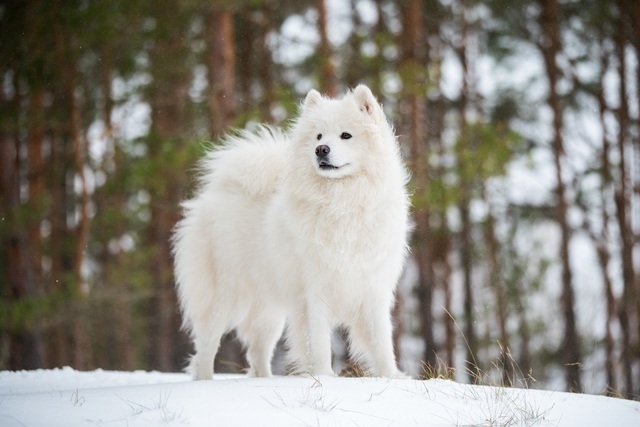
point(76, 399)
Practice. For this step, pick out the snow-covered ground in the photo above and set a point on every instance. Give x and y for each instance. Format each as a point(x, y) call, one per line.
point(65, 397)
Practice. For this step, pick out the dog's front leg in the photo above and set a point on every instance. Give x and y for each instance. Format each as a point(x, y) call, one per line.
point(318, 337)
point(381, 344)
point(371, 336)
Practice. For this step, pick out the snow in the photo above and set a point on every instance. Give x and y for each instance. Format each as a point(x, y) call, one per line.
point(65, 397)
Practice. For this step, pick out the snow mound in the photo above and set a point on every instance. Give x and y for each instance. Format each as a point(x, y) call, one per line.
point(65, 397)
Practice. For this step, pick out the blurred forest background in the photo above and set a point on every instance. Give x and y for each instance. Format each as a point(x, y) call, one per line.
point(518, 119)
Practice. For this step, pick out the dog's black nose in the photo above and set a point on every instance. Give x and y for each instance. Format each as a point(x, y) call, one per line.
point(322, 151)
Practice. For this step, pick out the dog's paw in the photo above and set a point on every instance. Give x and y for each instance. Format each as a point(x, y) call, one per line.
point(315, 375)
point(399, 375)
point(323, 373)
point(391, 373)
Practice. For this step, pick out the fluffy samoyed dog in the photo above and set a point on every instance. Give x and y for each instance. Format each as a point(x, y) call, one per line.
point(308, 227)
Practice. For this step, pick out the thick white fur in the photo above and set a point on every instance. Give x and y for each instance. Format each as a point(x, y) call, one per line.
point(271, 235)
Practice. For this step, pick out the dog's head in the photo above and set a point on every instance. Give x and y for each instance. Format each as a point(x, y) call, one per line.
point(339, 136)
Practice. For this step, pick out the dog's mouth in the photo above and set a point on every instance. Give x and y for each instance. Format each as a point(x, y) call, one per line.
point(326, 166)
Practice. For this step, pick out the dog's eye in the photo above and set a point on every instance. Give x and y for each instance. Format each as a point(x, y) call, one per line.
point(319, 137)
point(345, 135)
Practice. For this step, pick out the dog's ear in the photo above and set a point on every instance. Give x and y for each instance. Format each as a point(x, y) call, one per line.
point(312, 99)
point(368, 103)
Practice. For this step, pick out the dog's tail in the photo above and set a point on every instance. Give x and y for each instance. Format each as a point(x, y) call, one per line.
point(254, 161)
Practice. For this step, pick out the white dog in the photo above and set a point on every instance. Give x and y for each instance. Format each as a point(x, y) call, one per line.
point(310, 226)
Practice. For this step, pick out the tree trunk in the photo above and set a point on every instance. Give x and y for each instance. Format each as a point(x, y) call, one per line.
point(25, 347)
point(466, 145)
point(466, 259)
point(439, 240)
point(412, 107)
point(82, 349)
point(269, 95)
point(125, 353)
point(517, 282)
point(354, 71)
point(601, 244)
point(498, 285)
point(221, 69)
point(629, 311)
point(550, 48)
point(61, 260)
point(65, 54)
point(36, 201)
point(169, 119)
point(36, 180)
point(328, 78)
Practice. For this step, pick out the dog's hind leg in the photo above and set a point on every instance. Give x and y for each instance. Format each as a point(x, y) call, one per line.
point(297, 339)
point(260, 334)
point(206, 342)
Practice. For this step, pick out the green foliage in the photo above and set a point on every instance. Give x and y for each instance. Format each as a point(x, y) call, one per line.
point(485, 150)
point(37, 311)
